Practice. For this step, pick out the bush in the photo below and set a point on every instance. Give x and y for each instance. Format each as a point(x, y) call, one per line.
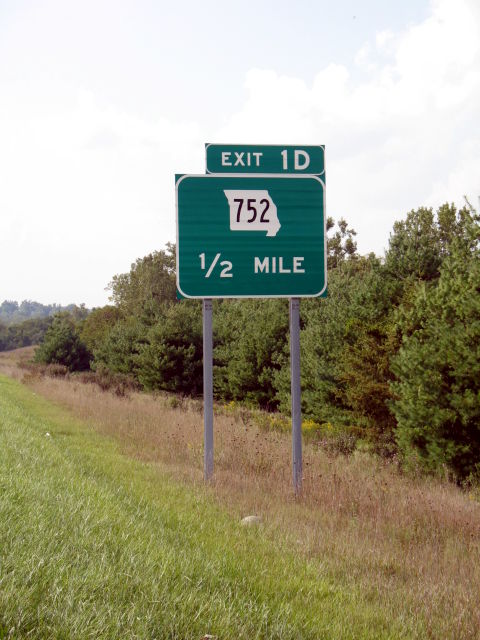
point(171, 356)
point(119, 349)
point(251, 337)
point(62, 346)
point(119, 383)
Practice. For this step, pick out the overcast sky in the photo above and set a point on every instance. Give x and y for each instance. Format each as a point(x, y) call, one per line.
point(103, 101)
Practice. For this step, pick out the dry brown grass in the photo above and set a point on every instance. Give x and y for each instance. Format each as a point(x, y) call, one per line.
point(412, 543)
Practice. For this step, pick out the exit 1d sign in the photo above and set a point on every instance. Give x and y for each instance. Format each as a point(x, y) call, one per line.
point(250, 158)
point(251, 234)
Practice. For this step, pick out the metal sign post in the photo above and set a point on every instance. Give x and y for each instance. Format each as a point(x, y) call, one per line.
point(207, 390)
point(296, 394)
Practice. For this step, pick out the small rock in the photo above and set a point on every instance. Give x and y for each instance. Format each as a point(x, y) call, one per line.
point(249, 520)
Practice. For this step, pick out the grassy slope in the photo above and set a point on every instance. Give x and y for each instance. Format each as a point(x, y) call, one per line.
point(93, 544)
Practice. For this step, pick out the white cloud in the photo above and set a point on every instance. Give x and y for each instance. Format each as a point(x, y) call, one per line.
point(363, 58)
point(84, 191)
point(384, 40)
point(406, 136)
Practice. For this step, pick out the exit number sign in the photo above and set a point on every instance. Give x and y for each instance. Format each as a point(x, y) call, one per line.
point(250, 158)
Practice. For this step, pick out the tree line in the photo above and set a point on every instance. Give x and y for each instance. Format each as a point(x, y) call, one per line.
point(12, 312)
point(390, 359)
point(25, 324)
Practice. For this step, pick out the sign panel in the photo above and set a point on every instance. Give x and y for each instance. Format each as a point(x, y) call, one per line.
point(249, 158)
point(250, 235)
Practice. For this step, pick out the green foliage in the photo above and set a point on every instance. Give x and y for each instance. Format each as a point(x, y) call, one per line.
point(120, 347)
point(62, 345)
point(23, 334)
point(420, 243)
point(97, 325)
point(149, 283)
point(364, 374)
point(326, 325)
point(341, 245)
point(437, 404)
point(250, 339)
point(370, 339)
point(171, 356)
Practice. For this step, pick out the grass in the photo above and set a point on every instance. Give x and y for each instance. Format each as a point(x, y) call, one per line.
point(94, 544)
point(406, 548)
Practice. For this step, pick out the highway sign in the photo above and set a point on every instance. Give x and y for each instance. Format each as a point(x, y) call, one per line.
point(250, 158)
point(250, 235)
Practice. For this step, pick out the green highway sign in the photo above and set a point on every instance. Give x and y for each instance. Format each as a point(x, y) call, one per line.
point(250, 235)
point(250, 158)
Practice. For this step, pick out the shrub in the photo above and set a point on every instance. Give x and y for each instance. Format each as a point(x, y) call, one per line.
point(171, 356)
point(62, 346)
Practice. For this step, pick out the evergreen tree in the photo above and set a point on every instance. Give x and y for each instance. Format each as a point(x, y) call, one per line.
point(250, 339)
point(62, 345)
point(120, 346)
point(437, 387)
point(171, 356)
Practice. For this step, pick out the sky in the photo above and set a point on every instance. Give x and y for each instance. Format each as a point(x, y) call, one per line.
point(102, 102)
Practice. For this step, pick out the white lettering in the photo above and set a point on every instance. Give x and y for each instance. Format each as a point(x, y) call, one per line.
point(261, 266)
point(239, 160)
point(226, 159)
point(306, 160)
point(270, 264)
point(297, 265)
point(257, 155)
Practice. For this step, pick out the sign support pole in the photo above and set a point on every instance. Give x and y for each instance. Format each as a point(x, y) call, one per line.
point(207, 390)
point(296, 394)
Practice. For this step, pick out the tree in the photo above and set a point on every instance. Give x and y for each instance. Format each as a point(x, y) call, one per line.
point(97, 325)
point(8, 309)
point(364, 374)
point(171, 356)
point(326, 324)
point(420, 243)
point(119, 349)
point(62, 345)
point(341, 245)
point(24, 333)
point(437, 369)
point(149, 283)
point(250, 336)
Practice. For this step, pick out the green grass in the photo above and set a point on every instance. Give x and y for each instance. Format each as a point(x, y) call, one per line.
point(96, 545)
